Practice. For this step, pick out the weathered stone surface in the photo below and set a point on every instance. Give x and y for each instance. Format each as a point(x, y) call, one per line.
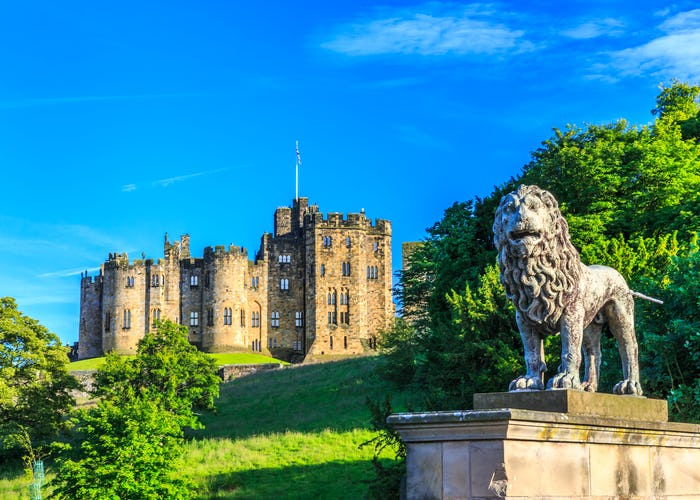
point(519, 454)
point(574, 402)
point(553, 292)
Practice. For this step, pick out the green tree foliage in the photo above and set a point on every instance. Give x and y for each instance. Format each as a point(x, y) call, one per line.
point(167, 366)
point(670, 351)
point(631, 195)
point(129, 449)
point(129, 444)
point(478, 352)
point(35, 385)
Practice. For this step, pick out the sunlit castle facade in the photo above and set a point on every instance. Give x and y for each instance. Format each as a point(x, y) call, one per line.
point(321, 285)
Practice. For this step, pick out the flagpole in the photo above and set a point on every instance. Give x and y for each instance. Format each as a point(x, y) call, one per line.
point(296, 180)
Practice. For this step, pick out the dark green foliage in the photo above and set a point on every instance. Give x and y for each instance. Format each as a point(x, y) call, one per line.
point(479, 352)
point(671, 338)
point(129, 444)
point(35, 385)
point(386, 482)
point(399, 347)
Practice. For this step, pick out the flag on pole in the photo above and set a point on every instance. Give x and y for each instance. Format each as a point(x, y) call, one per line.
point(298, 155)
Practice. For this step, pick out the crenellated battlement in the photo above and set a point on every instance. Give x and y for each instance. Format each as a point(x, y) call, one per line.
point(221, 251)
point(277, 303)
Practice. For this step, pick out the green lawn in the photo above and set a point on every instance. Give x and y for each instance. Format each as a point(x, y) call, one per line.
point(290, 433)
point(227, 358)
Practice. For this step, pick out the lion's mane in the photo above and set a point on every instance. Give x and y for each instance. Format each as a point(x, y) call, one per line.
point(542, 285)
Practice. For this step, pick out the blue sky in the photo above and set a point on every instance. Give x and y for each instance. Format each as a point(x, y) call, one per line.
point(120, 121)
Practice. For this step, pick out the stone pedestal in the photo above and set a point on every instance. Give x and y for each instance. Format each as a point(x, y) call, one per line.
point(551, 445)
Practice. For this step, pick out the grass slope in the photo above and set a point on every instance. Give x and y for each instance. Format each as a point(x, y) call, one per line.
point(288, 433)
point(291, 433)
point(226, 358)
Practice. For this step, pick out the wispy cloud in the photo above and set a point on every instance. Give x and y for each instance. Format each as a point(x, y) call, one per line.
point(673, 54)
point(433, 29)
point(127, 188)
point(595, 28)
point(47, 101)
point(65, 273)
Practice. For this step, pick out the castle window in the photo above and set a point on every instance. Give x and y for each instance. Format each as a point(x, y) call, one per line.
point(126, 324)
point(242, 317)
point(162, 280)
point(330, 340)
point(207, 279)
point(284, 284)
point(155, 281)
point(155, 317)
point(285, 259)
point(274, 342)
point(372, 272)
point(228, 316)
point(332, 318)
point(255, 319)
point(269, 343)
point(194, 281)
point(345, 342)
point(322, 270)
point(275, 319)
point(344, 298)
point(108, 321)
point(376, 246)
point(327, 241)
point(194, 318)
point(129, 281)
point(255, 281)
point(299, 318)
point(210, 316)
point(297, 345)
point(345, 317)
point(348, 242)
point(345, 268)
point(332, 297)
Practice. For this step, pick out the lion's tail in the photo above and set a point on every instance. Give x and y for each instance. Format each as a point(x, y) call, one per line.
point(646, 297)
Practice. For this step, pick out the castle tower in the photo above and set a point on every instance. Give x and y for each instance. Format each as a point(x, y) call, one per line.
point(90, 334)
point(226, 312)
point(123, 305)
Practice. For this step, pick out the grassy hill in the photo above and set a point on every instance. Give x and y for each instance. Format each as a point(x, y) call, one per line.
point(288, 433)
point(227, 358)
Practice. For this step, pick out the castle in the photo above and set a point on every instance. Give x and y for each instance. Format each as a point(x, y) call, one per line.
point(321, 285)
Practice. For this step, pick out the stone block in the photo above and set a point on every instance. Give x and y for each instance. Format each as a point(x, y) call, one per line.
point(572, 402)
point(625, 470)
point(455, 470)
point(425, 463)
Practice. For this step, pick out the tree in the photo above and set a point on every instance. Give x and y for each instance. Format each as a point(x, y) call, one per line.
point(129, 444)
point(167, 366)
point(35, 384)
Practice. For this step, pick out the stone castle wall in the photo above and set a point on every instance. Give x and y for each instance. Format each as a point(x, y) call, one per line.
point(319, 285)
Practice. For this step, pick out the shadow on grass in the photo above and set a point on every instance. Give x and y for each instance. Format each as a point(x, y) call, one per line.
point(307, 398)
point(328, 480)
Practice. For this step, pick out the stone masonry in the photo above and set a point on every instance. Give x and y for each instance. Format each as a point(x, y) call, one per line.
point(320, 285)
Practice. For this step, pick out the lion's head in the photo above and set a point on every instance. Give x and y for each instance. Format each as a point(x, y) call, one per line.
point(540, 268)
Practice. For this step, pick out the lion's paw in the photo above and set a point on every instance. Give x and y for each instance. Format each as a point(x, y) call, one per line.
point(628, 386)
point(564, 381)
point(525, 383)
point(590, 386)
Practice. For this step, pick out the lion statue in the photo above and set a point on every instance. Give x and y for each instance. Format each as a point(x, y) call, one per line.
point(553, 292)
